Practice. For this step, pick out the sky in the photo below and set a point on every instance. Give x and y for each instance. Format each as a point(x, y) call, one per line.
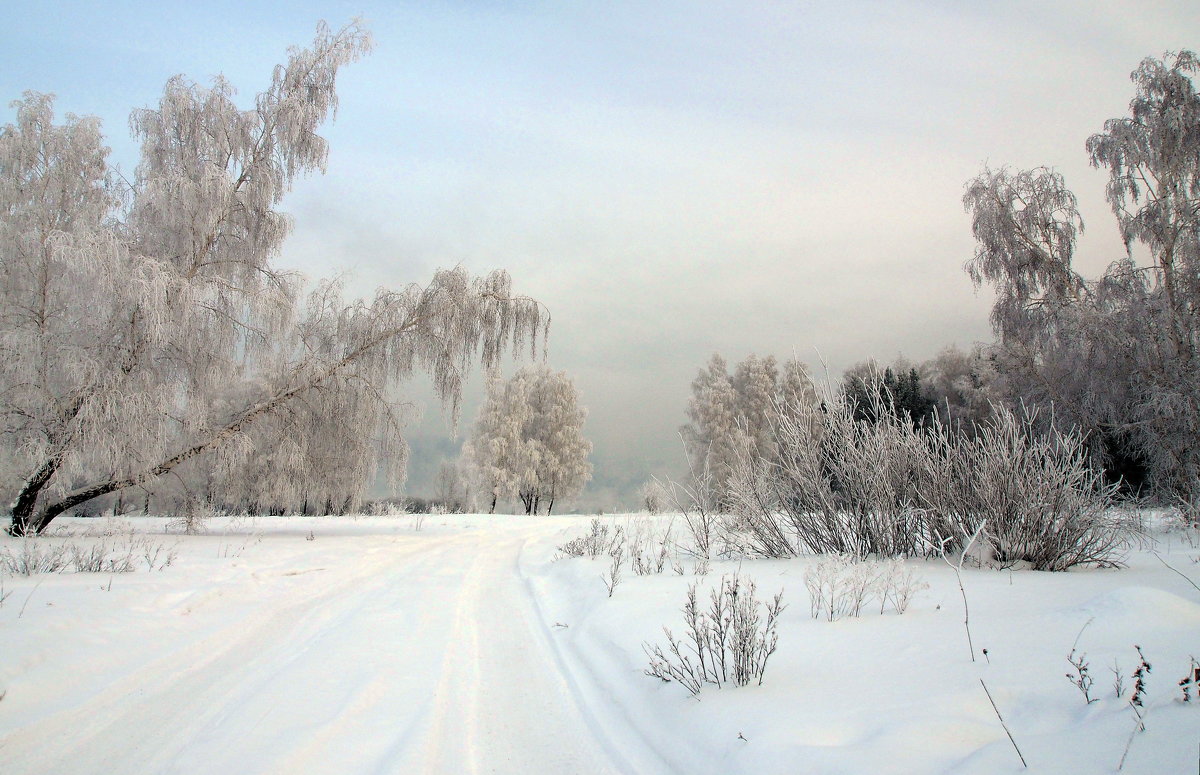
point(671, 179)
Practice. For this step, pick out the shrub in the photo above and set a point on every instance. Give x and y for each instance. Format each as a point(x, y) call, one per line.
point(596, 542)
point(889, 488)
point(653, 497)
point(31, 556)
point(729, 643)
point(841, 585)
point(837, 485)
point(649, 547)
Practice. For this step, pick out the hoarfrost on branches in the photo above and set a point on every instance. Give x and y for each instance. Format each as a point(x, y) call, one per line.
point(528, 440)
point(145, 330)
point(1116, 357)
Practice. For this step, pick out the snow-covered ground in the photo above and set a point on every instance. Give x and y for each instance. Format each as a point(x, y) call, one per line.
point(300, 645)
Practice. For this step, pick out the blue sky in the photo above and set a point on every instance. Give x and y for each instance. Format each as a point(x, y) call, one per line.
point(671, 179)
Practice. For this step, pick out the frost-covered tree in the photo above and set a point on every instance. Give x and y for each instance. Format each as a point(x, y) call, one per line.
point(712, 437)
point(961, 386)
point(450, 491)
point(796, 387)
point(528, 440)
point(145, 326)
point(731, 417)
point(756, 382)
point(1118, 356)
point(495, 452)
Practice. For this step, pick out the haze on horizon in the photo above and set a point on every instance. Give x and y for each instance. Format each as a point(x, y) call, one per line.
point(671, 182)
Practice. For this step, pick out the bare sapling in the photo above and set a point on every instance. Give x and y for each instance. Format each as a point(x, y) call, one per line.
point(1188, 684)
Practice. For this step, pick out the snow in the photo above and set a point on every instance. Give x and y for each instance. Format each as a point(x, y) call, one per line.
point(350, 645)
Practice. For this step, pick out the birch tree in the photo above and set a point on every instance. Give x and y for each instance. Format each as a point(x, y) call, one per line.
point(146, 325)
point(495, 452)
point(712, 436)
point(756, 383)
point(1120, 353)
point(554, 433)
point(528, 440)
point(733, 417)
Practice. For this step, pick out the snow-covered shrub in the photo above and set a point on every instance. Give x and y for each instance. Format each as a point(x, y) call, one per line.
point(596, 542)
point(101, 558)
point(826, 580)
point(157, 556)
point(842, 585)
point(1041, 500)
point(693, 503)
point(837, 484)
point(613, 577)
point(649, 548)
point(653, 497)
point(899, 582)
point(729, 643)
point(31, 556)
point(889, 488)
point(193, 516)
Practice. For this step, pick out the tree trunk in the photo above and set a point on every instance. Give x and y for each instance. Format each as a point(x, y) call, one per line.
point(23, 519)
point(22, 513)
point(550, 507)
point(492, 510)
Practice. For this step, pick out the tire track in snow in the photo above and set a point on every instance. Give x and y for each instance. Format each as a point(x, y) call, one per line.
point(219, 698)
point(430, 656)
point(502, 705)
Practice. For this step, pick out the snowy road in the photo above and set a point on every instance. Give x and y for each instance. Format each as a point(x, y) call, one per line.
point(421, 653)
point(312, 646)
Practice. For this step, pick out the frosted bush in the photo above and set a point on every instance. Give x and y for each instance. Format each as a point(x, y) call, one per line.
point(899, 582)
point(841, 585)
point(31, 556)
point(598, 541)
point(729, 643)
point(649, 547)
point(613, 577)
point(193, 517)
point(888, 488)
point(102, 558)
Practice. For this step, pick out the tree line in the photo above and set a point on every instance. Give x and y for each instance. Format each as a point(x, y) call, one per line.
point(1113, 359)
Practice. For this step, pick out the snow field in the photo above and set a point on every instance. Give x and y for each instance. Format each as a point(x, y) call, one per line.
point(467, 646)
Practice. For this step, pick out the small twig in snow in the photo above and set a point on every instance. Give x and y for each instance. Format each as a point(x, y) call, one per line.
point(1140, 726)
point(1006, 729)
point(35, 586)
point(958, 575)
point(1176, 571)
